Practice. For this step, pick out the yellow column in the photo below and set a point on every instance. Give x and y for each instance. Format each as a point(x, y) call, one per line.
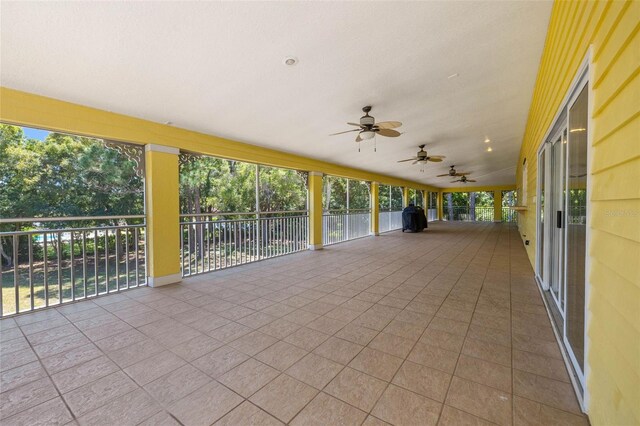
point(163, 215)
point(315, 211)
point(405, 197)
point(375, 208)
point(497, 206)
point(439, 205)
point(425, 201)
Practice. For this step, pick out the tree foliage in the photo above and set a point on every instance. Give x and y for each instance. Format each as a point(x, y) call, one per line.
point(65, 175)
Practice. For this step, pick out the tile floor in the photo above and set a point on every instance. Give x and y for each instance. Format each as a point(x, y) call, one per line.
point(445, 327)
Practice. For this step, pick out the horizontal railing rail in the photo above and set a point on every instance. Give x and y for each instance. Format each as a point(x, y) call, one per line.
point(48, 267)
point(218, 243)
point(390, 220)
point(468, 214)
point(69, 218)
point(345, 225)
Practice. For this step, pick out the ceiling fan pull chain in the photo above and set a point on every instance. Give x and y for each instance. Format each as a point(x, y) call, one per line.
point(375, 147)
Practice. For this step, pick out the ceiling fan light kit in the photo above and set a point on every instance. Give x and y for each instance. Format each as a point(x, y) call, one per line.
point(368, 128)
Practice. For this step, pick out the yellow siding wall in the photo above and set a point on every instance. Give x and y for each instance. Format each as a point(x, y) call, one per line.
point(611, 29)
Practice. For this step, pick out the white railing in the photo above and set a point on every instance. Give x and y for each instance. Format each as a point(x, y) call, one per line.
point(467, 214)
point(210, 242)
point(344, 225)
point(390, 220)
point(432, 214)
point(52, 266)
point(509, 215)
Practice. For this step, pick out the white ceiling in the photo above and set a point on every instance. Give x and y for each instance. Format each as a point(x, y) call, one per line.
point(218, 68)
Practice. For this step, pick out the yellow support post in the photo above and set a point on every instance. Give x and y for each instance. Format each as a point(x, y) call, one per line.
point(497, 206)
point(405, 196)
point(163, 215)
point(375, 208)
point(315, 211)
point(439, 205)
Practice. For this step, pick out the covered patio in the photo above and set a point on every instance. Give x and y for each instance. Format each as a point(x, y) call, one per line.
point(445, 327)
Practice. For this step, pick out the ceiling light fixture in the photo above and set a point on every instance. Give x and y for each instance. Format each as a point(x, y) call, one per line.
point(290, 61)
point(453, 76)
point(489, 149)
point(487, 140)
point(367, 134)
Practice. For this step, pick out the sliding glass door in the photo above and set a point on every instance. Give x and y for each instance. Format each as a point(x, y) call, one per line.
point(562, 224)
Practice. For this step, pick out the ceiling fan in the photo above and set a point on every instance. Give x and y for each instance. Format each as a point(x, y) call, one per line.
point(422, 158)
point(368, 128)
point(453, 173)
point(463, 179)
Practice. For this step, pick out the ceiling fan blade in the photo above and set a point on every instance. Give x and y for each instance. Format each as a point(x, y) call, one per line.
point(471, 180)
point(454, 181)
point(354, 124)
point(346, 131)
point(463, 173)
point(434, 159)
point(358, 138)
point(437, 156)
point(444, 175)
point(415, 162)
point(388, 133)
point(408, 159)
point(388, 124)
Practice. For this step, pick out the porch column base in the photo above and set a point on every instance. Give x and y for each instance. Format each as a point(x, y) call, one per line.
point(375, 234)
point(314, 246)
point(164, 280)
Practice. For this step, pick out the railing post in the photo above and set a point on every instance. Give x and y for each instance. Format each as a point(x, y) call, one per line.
point(375, 208)
point(497, 206)
point(163, 215)
point(315, 211)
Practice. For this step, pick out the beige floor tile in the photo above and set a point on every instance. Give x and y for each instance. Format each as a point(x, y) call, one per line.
point(426, 381)
point(253, 343)
point(59, 345)
point(205, 405)
point(536, 346)
point(402, 407)
point(248, 377)
point(338, 350)
point(247, 414)
point(542, 366)
point(56, 363)
point(314, 370)
point(482, 401)
point(373, 421)
point(432, 356)
point(98, 393)
point(393, 345)
point(155, 367)
point(87, 372)
point(547, 391)
point(487, 351)
point(176, 384)
point(356, 334)
point(484, 372)
point(453, 417)
point(52, 412)
point(306, 338)
point(229, 332)
point(284, 397)
point(220, 361)
point(281, 355)
point(326, 325)
point(356, 388)
point(196, 347)
point(128, 409)
point(404, 329)
point(27, 396)
point(527, 412)
point(327, 410)
point(279, 328)
point(160, 419)
point(449, 326)
point(376, 363)
point(442, 339)
point(301, 317)
point(490, 335)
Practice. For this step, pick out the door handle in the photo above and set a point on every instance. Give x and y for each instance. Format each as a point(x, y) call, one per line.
point(558, 218)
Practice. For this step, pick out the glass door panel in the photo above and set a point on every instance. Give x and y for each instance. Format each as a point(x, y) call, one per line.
point(576, 227)
point(557, 183)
